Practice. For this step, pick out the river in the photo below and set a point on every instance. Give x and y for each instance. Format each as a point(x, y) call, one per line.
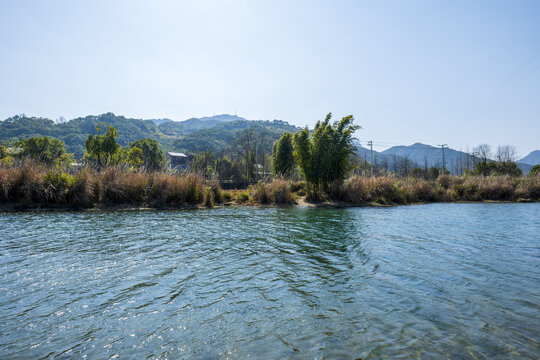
point(422, 281)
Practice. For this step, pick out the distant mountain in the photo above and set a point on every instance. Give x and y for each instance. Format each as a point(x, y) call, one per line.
point(220, 118)
point(379, 159)
point(532, 159)
point(426, 155)
point(192, 135)
point(160, 121)
point(219, 137)
point(181, 128)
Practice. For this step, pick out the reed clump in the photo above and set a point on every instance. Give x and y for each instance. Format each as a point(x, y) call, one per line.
point(389, 190)
point(217, 193)
point(31, 184)
point(381, 190)
point(276, 192)
point(28, 184)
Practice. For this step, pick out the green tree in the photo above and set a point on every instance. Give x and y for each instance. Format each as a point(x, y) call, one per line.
point(136, 157)
point(418, 173)
point(49, 151)
point(103, 150)
point(432, 173)
point(485, 168)
point(5, 156)
point(153, 157)
point(535, 170)
point(227, 169)
point(282, 156)
point(324, 155)
point(202, 163)
point(507, 168)
point(3, 152)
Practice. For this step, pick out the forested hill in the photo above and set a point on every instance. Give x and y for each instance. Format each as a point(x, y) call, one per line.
point(219, 137)
point(75, 132)
point(190, 135)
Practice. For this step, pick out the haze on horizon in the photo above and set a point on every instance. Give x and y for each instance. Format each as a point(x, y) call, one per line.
point(459, 73)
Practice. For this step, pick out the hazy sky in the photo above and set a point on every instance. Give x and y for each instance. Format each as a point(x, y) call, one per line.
point(454, 72)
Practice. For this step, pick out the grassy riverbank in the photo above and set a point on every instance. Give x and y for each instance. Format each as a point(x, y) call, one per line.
point(33, 186)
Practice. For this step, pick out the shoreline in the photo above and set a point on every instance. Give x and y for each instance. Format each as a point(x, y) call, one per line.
point(22, 208)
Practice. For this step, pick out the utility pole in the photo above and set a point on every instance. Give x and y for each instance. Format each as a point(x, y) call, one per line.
point(442, 148)
point(370, 143)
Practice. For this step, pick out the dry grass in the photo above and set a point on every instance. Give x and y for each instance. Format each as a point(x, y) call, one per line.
point(275, 192)
point(388, 190)
point(33, 184)
point(28, 183)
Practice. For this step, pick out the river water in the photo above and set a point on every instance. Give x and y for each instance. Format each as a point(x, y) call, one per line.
point(425, 281)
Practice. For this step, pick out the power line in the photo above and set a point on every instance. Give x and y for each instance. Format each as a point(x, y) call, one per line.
point(508, 84)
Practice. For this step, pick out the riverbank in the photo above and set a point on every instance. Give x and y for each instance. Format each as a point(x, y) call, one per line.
point(35, 188)
point(29, 187)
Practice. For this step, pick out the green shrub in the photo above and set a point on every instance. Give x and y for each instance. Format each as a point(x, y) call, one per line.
point(209, 198)
point(260, 194)
point(279, 192)
point(84, 189)
point(57, 186)
point(216, 191)
point(243, 197)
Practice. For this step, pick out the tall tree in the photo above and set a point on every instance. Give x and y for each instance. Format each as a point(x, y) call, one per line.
point(323, 156)
point(483, 153)
point(282, 156)
point(245, 146)
point(103, 150)
point(153, 157)
point(202, 163)
point(43, 149)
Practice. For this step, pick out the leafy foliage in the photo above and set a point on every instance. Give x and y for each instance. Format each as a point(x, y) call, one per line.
point(3, 152)
point(323, 156)
point(507, 168)
point(45, 150)
point(136, 157)
point(153, 157)
point(497, 168)
point(75, 132)
point(103, 150)
point(282, 156)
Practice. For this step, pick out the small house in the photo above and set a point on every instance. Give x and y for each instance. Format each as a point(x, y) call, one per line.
point(179, 161)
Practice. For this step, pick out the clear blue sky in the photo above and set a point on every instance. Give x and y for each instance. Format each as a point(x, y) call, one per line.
point(454, 72)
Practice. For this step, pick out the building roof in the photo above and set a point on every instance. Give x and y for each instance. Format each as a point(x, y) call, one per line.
point(175, 154)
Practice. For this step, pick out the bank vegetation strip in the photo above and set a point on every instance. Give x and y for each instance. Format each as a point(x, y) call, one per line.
point(31, 186)
point(314, 167)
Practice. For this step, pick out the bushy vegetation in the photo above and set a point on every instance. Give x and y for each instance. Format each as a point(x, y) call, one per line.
point(390, 190)
point(283, 163)
point(45, 150)
point(31, 184)
point(275, 192)
point(307, 166)
point(323, 156)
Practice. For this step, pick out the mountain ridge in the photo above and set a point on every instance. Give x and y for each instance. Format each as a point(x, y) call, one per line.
point(533, 158)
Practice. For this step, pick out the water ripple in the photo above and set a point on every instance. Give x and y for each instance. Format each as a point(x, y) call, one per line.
point(432, 281)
